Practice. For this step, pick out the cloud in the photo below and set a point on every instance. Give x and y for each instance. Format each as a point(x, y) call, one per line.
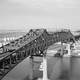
point(46, 3)
point(36, 7)
point(66, 3)
point(16, 12)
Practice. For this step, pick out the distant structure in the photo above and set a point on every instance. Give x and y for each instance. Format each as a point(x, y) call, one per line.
point(7, 37)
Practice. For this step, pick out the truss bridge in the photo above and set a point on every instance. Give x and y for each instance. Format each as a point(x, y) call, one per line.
point(32, 44)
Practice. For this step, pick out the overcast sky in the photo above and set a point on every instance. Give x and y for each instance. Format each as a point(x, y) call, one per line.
point(50, 14)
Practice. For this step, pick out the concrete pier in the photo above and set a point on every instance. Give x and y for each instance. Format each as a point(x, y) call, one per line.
point(61, 49)
point(45, 69)
point(69, 51)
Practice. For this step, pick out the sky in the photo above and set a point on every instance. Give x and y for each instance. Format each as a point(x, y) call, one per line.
point(50, 14)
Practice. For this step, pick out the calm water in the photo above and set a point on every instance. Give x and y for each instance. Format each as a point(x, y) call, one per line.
point(58, 69)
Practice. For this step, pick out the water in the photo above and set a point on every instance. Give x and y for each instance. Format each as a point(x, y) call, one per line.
point(58, 69)
point(65, 68)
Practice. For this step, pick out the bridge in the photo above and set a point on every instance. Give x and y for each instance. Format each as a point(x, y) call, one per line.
point(34, 43)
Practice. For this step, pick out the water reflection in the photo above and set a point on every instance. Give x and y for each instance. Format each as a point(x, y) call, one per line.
point(35, 73)
point(60, 70)
point(64, 69)
point(57, 68)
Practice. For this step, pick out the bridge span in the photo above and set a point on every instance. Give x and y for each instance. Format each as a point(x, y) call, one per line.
point(34, 43)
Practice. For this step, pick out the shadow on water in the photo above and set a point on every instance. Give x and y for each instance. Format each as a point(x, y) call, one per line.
point(58, 69)
point(34, 69)
point(28, 78)
point(65, 69)
point(64, 75)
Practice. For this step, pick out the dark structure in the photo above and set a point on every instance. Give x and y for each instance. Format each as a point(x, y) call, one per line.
point(32, 44)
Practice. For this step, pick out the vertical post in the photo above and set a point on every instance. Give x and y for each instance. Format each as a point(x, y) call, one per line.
point(16, 56)
point(68, 46)
point(31, 70)
point(10, 63)
point(74, 44)
point(25, 53)
point(61, 49)
point(30, 52)
point(45, 68)
point(3, 48)
point(3, 66)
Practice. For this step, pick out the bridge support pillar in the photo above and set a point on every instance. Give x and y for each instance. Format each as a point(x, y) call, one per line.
point(61, 49)
point(10, 62)
point(68, 47)
point(45, 68)
point(31, 70)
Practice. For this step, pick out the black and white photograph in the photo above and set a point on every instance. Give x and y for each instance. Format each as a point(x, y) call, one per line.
point(39, 39)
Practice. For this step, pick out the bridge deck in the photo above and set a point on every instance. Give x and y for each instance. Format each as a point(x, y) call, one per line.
point(16, 44)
